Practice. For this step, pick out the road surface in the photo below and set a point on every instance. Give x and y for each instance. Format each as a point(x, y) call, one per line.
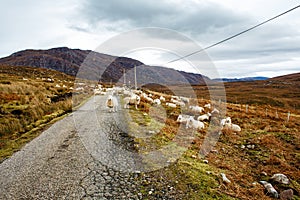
point(86, 155)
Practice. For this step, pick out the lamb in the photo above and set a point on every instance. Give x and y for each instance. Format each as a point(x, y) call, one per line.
point(226, 120)
point(196, 109)
point(171, 105)
point(204, 117)
point(133, 99)
point(112, 103)
point(182, 118)
point(195, 124)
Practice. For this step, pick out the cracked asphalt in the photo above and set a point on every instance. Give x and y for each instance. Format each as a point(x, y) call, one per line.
point(86, 155)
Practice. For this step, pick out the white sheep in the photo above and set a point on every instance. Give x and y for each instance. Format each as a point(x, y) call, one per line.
point(112, 103)
point(207, 106)
point(182, 118)
point(157, 101)
point(196, 109)
point(233, 127)
point(226, 120)
point(161, 98)
point(133, 99)
point(171, 105)
point(185, 100)
point(195, 124)
point(215, 111)
point(204, 117)
point(150, 100)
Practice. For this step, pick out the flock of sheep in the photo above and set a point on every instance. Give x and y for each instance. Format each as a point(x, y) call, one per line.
point(196, 118)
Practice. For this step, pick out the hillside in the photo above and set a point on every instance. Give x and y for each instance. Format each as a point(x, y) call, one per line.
point(92, 64)
point(246, 79)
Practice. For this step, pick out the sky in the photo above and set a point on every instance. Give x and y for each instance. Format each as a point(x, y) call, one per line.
point(181, 28)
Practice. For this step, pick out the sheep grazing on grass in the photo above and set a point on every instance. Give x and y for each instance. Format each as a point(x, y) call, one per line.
point(185, 100)
point(270, 189)
point(194, 124)
point(208, 106)
point(182, 118)
point(196, 109)
point(149, 100)
point(133, 99)
point(161, 98)
point(171, 105)
point(226, 120)
point(112, 103)
point(157, 101)
point(204, 117)
point(233, 127)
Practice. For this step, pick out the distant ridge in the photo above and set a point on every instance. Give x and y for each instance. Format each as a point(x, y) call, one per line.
point(69, 61)
point(246, 79)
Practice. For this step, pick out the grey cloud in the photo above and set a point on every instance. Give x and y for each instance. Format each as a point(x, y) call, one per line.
point(185, 16)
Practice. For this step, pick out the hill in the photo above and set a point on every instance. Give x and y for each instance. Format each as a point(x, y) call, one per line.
point(256, 78)
point(92, 64)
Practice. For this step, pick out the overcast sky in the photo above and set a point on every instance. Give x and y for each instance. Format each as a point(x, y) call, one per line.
point(270, 50)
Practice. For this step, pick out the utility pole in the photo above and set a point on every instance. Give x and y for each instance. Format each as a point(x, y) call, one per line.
point(135, 82)
point(124, 74)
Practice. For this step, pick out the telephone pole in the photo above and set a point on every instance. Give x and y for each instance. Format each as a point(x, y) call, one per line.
point(135, 82)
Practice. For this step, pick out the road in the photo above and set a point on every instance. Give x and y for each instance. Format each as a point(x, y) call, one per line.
point(86, 155)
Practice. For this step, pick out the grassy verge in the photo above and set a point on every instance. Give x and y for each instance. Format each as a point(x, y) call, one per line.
point(31, 99)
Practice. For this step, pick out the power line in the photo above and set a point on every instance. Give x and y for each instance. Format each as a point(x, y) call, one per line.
point(233, 36)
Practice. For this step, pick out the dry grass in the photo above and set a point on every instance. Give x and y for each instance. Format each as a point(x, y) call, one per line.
point(28, 102)
point(276, 143)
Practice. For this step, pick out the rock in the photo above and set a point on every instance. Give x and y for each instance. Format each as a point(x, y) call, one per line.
point(280, 178)
point(214, 151)
point(225, 179)
point(194, 156)
point(264, 173)
point(287, 194)
point(270, 189)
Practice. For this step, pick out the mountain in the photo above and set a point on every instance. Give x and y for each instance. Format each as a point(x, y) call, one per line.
point(256, 78)
point(97, 66)
point(287, 78)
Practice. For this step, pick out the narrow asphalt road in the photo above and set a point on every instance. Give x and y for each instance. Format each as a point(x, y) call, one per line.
point(86, 155)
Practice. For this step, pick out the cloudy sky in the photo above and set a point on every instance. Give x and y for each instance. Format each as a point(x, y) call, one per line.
point(270, 50)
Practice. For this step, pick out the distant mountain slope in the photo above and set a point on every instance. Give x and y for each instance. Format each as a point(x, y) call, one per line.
point(289, 77)
point(257, 78)
point(111, 68)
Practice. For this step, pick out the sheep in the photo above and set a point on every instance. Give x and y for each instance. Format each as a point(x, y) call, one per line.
point(270, 189)
point(204, 117)
point(162, 98)
point(233, 127)
point(112, 103)
point(182, 118)
point(175, 97)
point(157, 101)
point(97, 91)
point(185, 100)
point(150, 100)
point(207, 106)
point(195, 124)
point(196, 109)
point(171, 105)
point(226, 120)
point(215, 111)
point(133, 99)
